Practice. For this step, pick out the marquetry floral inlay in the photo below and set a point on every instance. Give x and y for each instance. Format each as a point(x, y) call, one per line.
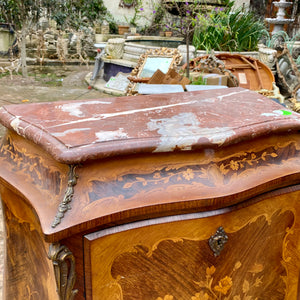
point(221, 290)
point(211, 172)
point(32, 165)
point(252, 266)
point(220, 172)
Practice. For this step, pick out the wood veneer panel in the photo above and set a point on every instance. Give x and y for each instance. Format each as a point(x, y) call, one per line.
point(28, 272)
point(261, 258)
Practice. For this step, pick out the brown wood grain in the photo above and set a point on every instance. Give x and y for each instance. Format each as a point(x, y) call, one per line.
point(28, 271)
point(171, 258)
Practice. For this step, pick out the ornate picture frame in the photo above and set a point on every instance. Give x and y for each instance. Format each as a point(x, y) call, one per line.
point(149, 62)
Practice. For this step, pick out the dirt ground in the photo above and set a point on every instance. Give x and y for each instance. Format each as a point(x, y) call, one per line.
point(46, 84)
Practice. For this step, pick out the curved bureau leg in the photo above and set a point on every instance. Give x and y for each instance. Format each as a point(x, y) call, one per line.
point(64, 269)
point(28, 273)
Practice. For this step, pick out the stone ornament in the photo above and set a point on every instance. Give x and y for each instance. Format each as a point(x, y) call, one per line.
point(288, 73)
point(267, 56)
point(115, 48)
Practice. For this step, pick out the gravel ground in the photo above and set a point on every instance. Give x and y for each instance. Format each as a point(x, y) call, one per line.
point(47, 84)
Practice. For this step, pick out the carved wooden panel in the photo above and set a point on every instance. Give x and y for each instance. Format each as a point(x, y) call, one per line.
point(173, 260)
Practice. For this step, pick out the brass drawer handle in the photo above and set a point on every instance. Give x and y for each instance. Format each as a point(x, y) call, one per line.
point(217, 241)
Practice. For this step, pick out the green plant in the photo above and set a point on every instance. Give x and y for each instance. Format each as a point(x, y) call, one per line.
point(198, 81)
point(276, 39)
point(113, 27)
point(47, 78)
point(155, 20)
point(77, 13)
point(228, 30)
point(138, 9)
point(280, 38)
point(129, 2)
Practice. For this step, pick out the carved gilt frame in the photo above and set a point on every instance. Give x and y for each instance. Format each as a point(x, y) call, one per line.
point(174, 54)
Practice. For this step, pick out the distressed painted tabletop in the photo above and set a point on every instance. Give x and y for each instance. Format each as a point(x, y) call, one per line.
point(74, 131)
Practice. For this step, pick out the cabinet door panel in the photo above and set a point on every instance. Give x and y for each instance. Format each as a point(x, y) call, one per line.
point(172, 259)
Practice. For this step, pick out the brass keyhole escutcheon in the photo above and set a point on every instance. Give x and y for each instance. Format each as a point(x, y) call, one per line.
point(217, 241)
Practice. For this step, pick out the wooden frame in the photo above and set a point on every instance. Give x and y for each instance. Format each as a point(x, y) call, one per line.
point(288, 74)
point(162, 58)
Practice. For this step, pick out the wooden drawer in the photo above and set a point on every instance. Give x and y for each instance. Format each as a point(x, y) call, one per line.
point(170, 258)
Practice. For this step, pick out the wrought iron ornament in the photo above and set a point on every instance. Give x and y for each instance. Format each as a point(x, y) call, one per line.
point(64, 270)
point(217, 241)
point(65, 204)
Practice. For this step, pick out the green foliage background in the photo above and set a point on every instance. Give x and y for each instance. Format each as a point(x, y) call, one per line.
point(67, 13)
point(229, 30)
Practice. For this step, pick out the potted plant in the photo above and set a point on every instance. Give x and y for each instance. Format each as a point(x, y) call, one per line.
point(122, 29)
point(168, 33)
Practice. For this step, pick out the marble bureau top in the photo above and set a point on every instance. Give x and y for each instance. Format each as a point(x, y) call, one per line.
point(74, 131)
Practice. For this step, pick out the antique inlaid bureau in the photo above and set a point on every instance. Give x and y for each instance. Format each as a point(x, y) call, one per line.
point(185, 196)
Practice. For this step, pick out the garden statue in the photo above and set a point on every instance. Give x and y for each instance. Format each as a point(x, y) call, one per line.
point(99, 63)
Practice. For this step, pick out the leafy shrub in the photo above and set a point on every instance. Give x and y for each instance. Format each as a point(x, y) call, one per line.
point(228, 30)
point(77, 13)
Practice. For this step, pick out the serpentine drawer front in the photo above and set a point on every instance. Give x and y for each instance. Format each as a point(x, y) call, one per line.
point(172, 257)
point(174, 196)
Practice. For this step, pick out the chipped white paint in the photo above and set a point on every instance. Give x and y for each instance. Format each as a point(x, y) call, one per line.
point(184, 130)
point(208, 100)
point(74, 109)
point(232, 94)
point(103, 136)
point(70, 131)
point(126, 112)
point(15, 124)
